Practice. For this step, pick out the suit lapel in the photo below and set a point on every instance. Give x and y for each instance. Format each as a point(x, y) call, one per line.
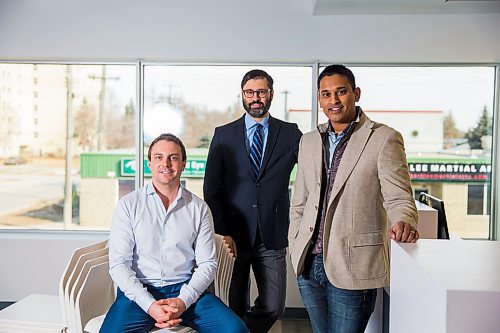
point(317, 154)
point(352, 154)
point(272, 135)
point(239, 134)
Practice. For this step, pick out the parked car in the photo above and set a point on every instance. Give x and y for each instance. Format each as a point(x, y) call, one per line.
point(14, 160)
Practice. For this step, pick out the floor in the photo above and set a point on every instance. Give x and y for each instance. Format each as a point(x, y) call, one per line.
point(291, 326)
point(281, 326)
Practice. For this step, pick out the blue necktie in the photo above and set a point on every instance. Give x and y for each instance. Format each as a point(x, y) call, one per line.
point(256, 149)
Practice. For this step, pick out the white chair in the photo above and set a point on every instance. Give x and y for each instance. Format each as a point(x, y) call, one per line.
point(225, 261)
point(105, 287)
point(222, 282)
point(69, 270)
point(95, 295)
point(75, 281)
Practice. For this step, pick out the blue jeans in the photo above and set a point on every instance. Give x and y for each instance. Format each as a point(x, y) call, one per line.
point(207, 315)
point(332, 309)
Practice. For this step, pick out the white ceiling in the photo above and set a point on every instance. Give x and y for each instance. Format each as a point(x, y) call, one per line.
point(402, 7)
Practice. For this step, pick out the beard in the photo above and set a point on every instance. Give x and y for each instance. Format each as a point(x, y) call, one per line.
point(258, 112)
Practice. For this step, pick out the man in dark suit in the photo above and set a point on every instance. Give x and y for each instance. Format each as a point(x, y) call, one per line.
point(246, 186)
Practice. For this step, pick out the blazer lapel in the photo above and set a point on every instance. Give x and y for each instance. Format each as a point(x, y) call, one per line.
point(272, 135)
point(353, 152)
point(317, 155)
point(240, 145)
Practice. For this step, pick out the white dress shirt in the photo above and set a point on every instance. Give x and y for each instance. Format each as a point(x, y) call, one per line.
point(159, 247)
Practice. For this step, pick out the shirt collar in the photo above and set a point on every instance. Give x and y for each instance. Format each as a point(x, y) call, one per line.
point(330, 130)
point(250, 122)
point(150, 189)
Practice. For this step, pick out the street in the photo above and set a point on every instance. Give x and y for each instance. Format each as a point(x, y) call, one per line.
point(26, 187)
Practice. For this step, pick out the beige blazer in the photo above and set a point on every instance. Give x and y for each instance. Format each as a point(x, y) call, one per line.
point(371, 192)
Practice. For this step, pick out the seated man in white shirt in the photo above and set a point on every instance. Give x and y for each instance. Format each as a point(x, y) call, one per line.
point(162, 254)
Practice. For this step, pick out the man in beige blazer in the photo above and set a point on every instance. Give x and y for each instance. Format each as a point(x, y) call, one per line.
point(352, 193)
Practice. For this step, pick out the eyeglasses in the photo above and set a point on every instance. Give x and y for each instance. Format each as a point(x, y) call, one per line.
point(261, 93)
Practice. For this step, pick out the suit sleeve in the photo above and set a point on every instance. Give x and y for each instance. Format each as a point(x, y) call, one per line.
point(300, 195)
point(395, 181)
point(296, 141)
point(213, 186)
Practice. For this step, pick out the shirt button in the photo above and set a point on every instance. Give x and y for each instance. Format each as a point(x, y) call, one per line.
point(316, 207)
point(311, 229)
point(258, 184)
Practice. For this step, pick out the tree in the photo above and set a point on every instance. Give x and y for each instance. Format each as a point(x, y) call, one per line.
point(198, 119)
point(120, 128)
point(483, 128)
point(450, 128)
point(129, 108)
point(201, 121)
point(450, 131)
point(85, 124)
point(204, 141)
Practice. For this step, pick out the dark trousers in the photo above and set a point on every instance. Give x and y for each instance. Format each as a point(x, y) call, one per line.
point(269, 268)
point(207, 315)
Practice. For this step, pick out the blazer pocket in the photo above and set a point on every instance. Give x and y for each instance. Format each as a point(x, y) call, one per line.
point(366, 255)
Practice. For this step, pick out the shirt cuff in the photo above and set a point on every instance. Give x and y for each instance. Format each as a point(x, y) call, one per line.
point(145, 301)
point(188, 295)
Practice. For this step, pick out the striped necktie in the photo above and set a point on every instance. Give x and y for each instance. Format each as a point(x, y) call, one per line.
point(256, 149)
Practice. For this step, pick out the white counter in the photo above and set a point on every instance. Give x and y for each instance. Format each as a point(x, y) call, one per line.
point(427, 228)
point(427, 221)
point(445, 286)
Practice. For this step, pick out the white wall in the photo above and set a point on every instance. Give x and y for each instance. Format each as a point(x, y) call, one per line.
point(33, 263)
point(237, 31)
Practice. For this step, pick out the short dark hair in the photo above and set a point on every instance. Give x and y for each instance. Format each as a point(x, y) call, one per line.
point(340, 70)
point(169, 138)
point(257, 74)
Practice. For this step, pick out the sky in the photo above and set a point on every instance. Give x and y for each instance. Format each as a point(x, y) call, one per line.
point(463, 91)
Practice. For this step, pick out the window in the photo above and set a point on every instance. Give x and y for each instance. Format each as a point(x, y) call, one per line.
point(102, 112)
point(190, 101)
point(475, 199)
point(448, 138)
point(476, 205)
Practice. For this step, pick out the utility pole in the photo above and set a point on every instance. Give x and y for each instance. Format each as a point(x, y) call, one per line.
point(68, 181)
point(102, 95)
point(170, 86)
point(286, 92)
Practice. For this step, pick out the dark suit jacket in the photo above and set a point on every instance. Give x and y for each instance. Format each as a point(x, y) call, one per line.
point(239, 200)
